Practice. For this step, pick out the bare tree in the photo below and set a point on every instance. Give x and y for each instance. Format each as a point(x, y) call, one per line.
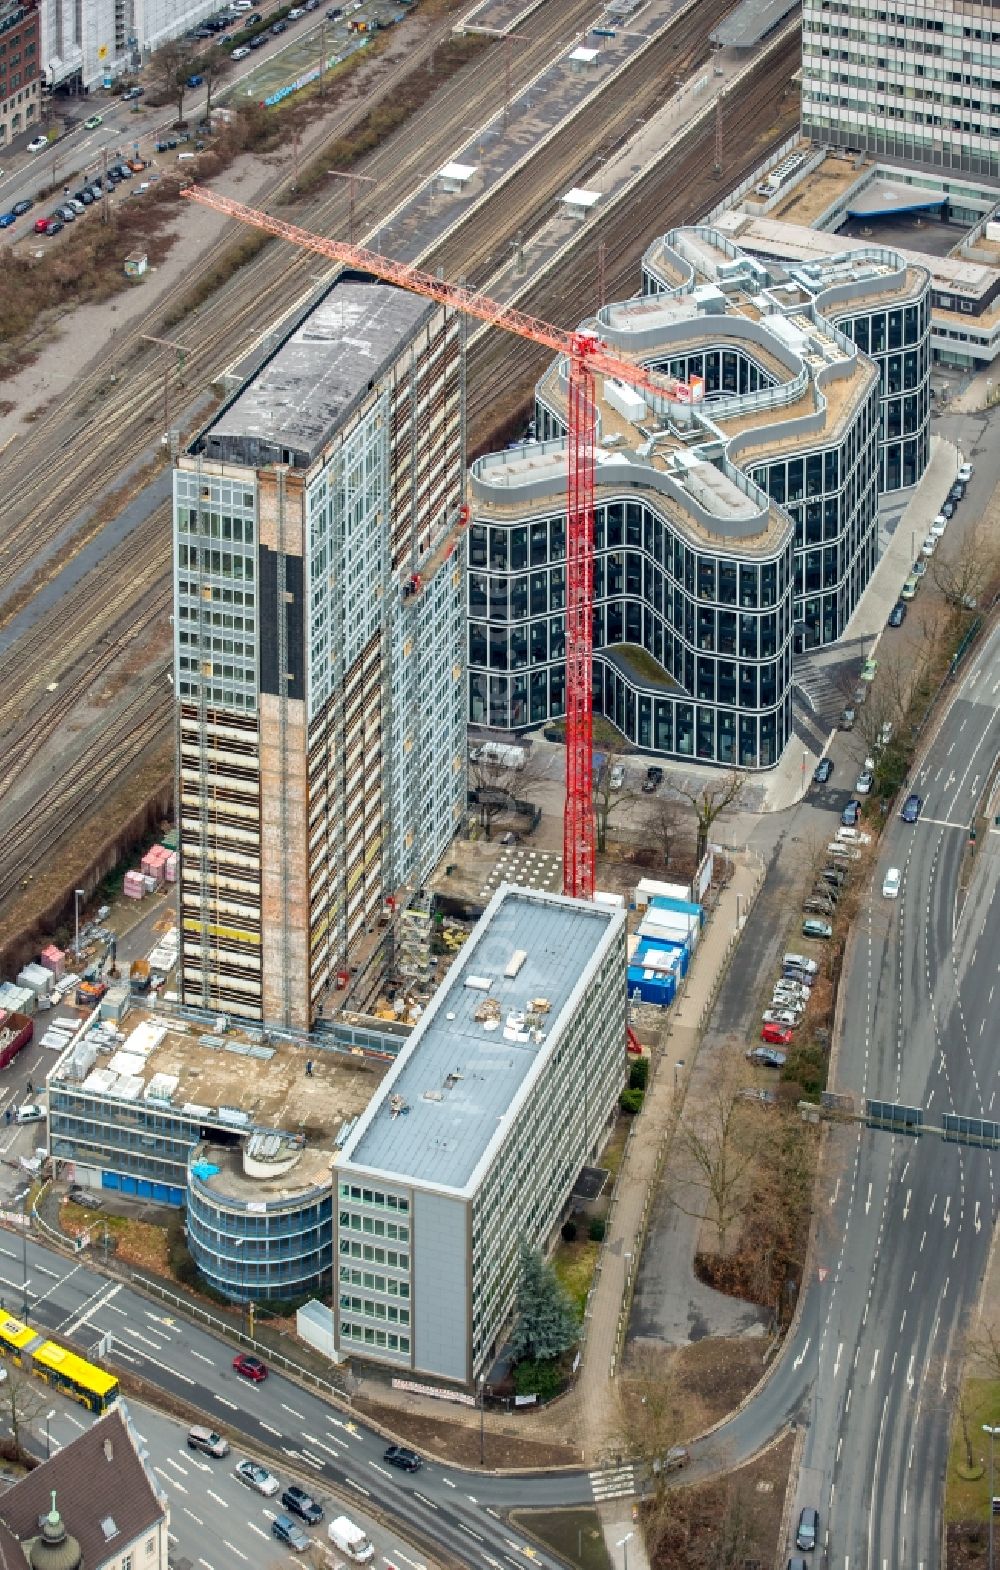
point(710, 802)
point(22, 1401)
point(169, 69)
point(965, 570)
point(499, 779)
point(663, 825)
point(610, 792)
point(718, 1141)
point(213, 65)
point(647, 1427)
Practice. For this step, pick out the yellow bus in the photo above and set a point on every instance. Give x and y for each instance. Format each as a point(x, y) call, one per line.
point(63, 1370)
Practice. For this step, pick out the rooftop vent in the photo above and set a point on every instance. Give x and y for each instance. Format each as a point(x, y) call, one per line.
point(515, 962)
point(109, 1526)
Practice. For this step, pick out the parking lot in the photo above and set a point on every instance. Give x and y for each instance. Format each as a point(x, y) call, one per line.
point(309, 40)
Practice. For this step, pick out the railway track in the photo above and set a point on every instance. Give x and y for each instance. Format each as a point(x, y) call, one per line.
point(678, 189)
point(42, 828)
point(45, 474)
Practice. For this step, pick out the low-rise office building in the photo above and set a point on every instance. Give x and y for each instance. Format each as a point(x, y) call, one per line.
point(473, 1143)
point(241, 1132)
point(20, 77)
point(735, 518)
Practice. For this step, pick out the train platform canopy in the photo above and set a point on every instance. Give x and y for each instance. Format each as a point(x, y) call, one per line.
point(751, 21)
point(578, 202)
point(582, 59)
point(455, 177)
point(880, 199)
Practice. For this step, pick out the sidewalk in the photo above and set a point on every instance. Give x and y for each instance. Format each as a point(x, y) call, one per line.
point(586, 1417)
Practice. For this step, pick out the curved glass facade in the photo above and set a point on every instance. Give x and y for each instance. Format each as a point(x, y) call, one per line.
point(255, 1250)
point(898, 340)
point(692, 647)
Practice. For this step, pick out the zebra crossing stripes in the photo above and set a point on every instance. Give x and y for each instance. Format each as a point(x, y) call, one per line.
point(613, 1483)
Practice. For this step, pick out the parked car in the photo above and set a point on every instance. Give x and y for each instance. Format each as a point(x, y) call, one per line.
point(776, 1035)
point(654, 778)
point(841, 852)
point(250, 1367)
point(84, 197)
point(864, 782)
point(897, 615)
point(818, 905)
point(53, 226)
point(850, 815)
point(279, 27)
point(287, 1532)
point(822, 771)
point(258, 41)
point(910, 587)
point(41, 224)
point(939, 526)
point(814, 927)
point(808, 1529)
point(912, 808)
point(785, 987)
point(789, 1017)
point(335, 14)
point(929, 546)
point(296, 12)
point(132, 92)
point(66, 213)
point(767, 1057)
point(23, 206)
point(848, 716)
point(93, 122)
point(38, 144)
point(869, 669)
point(919, 568)
point(859, 697)
point(406, 1460)
point(30, 1112)
point(617, 777)
point(802, 962)
point(947, 510)
point(257, 1477)
point(957, 492)
point(965, 472)
point(302, 1504)
point(886, 732)
point(852, 836)
point(836, 876)
point(240, 53)
point(6, 219)
point(891, 883)
point(195, 80)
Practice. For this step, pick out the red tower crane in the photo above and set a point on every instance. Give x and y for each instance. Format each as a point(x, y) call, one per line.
point(588, 356)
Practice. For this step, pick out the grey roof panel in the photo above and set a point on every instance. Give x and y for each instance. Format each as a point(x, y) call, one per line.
point(457, 1079)
point(295, 401)
point(750, 22)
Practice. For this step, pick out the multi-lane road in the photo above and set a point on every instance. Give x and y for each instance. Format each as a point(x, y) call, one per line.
point(450, 1514)
point(904, 1223)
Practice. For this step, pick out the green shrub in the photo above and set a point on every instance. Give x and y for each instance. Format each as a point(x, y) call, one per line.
point(544, 1379)
point(638, 1074)
point(597, 1229)
point(631, 1100)
point(806, 1065)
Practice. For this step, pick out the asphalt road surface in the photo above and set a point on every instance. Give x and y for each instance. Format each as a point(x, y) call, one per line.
point(905, 1224)
point(454, 1513)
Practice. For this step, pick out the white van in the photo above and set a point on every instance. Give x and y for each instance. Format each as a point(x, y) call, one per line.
point(346, 1535)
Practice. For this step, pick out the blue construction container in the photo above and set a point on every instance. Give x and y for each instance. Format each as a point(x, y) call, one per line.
point(676, 955)
point(652, 986)
point(681, 906)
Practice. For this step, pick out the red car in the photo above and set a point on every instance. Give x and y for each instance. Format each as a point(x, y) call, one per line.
point(41, 224)
point(777, 1035)
point(250, 1367)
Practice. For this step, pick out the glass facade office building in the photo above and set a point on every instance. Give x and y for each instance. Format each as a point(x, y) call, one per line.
point(735, 523)
point(911, 81)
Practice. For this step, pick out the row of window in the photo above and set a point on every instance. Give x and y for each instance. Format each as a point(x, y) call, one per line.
point(368, 1196)
point(372, 1254)
point(369, 1336)
point(372, 1309)
point(215, 525)
point(374, 1282)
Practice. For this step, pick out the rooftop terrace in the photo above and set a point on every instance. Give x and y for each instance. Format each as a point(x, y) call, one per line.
point(226, 1080)
point(486, 1033)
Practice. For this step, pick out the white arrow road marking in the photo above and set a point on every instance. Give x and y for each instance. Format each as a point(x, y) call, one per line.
point(801, 1356)
point(946, 1218)
point(975, 1220)
point(833, 1198)
point(868, 1201)
point(909, 1372)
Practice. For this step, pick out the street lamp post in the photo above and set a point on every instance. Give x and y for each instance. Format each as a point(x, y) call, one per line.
point(991, 1431)
point(77, 897)
point(482, 1420)
point(24, 1256)
point(48, 1447)
point(623, 1545)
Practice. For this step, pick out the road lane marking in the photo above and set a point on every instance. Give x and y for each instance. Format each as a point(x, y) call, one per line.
point(202, 1358)
point(946, 1218)
point(871, 1376)
point(836, 1365)
point(293, 1412)
point(234, 1550)
point(423, 1499)
point(230, 1404)
point(383, 1469)
point(798, 1361)
point(218, 1499)
point(447, 1482)
point(361, 1489)
point(906, 1203)
point(909, 1371)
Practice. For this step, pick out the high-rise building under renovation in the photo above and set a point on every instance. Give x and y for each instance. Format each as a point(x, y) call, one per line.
point(319, 599)
point(917, 80)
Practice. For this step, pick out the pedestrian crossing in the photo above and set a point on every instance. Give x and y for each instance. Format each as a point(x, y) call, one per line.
point(617, 1482)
